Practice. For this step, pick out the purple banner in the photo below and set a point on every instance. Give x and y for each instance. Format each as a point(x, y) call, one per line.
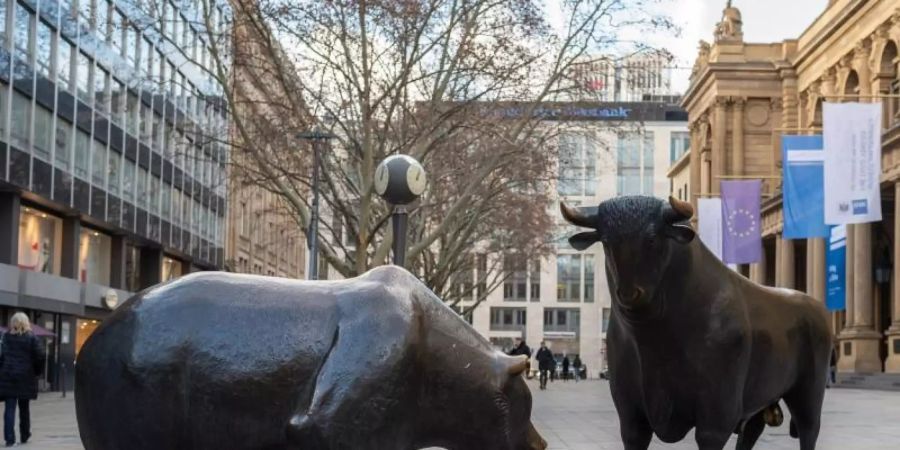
point(741, 236)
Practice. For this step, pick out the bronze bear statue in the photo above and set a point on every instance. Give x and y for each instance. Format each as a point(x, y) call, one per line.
point(224, 361)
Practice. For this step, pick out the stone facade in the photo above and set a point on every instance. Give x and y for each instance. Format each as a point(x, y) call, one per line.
point(744, 96)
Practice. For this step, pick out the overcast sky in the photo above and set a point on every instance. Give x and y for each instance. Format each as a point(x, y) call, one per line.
point(764, 21)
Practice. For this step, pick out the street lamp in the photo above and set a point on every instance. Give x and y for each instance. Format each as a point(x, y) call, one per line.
point(400, 180)
point(317, 136)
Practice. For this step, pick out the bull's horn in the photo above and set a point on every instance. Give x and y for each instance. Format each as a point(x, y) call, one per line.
point(576, 217)
point(685, 210)
point(517, 365)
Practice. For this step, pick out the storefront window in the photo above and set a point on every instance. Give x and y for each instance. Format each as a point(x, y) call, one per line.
point(40, 241)
point(94, 257)
point(83, 330)
point(171, 269)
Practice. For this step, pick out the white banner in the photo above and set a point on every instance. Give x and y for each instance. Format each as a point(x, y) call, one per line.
point(709, 223)
point(852, 137)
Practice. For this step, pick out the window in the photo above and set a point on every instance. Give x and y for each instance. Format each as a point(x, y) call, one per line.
point(508, 319)
point(64, 63)
point(588, 277)
point(128, 176)
point(117, 101)
point(562, 320)
point(568, 278)
point(43, 126)
point(94, 257)
point(166, 206)
point(577, 165)
point(22, 34)
point(679, 144)
point(101, 90)
point(142, 187)
point(63, 144)
point(132, 111)
point(154, 194)
point(481, 274)
point(534, 277)
point(85, 10)
point(606, 313)
point(132, 45)
point(112, 171)
point(98, 163)
point(40, 241)
point(628, 174)
point(19, 120)
point(102, 14)
point(171, 269)
point(44, 45)
point(84, 77)
point(647, 163)
point(516, 282)
point(4, 97)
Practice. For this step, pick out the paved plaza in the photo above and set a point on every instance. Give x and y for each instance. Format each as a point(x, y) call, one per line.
point(581, 416)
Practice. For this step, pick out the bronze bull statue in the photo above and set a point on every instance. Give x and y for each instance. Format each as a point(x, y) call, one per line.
point(691, 343)
point(225, 361)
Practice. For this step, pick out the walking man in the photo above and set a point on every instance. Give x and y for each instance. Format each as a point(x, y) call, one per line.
point(545, 363)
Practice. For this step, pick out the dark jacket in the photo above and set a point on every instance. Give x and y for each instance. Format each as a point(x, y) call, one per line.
point(545, 359)
point(565, 364)
point(21, 362)
point(521, 349)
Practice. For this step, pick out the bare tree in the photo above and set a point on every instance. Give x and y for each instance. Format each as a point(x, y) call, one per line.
point(453, 83)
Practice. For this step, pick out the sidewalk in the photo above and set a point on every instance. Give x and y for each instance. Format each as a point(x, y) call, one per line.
point(581, 416)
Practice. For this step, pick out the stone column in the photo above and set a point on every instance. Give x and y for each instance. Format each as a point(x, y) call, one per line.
point(150, 266)
point(718, 145)
point(694, 164)
point(779, 250)
point(788, 264)
point(117, 262)
point(71, 247)
point(860, 349)
point(815, 268)
point(892, 364)
point(737, 131)
point(758, 270)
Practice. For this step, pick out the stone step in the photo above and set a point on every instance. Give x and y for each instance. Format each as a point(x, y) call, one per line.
point(875, 381)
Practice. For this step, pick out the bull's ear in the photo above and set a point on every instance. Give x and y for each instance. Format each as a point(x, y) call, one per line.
point(680, 232)
point(582, 241)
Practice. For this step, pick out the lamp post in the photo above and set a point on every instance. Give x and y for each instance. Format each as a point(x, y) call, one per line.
point(312, 235)
point(400, 180)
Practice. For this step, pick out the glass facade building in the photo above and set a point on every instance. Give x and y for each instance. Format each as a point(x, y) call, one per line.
point(109, 173)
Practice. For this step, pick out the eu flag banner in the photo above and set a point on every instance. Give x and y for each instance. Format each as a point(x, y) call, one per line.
point(836, 268)
point(741, 236)
point(803, 160)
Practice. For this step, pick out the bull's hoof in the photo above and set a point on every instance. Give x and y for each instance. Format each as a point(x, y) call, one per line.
point(773, 416)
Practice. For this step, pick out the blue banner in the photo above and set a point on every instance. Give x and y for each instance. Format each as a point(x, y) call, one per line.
point(804, 187)
point(836, 268)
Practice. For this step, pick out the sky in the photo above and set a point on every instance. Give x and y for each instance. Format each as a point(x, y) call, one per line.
point(764, 21)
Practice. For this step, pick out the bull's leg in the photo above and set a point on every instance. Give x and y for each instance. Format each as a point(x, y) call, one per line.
point(805, 404)
point(634, 428)
point(712, 439)
point(751, 431)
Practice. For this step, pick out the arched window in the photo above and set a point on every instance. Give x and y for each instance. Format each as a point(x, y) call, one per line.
point(851, 87)
point(889, 69)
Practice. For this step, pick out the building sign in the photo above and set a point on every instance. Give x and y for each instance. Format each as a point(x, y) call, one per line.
point(582, 111)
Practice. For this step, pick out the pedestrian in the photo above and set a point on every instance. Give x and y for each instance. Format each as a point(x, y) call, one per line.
point(21, 363)
point(577, 365)
point(565, 368)
point(545, 363)
point(832, 369)
point(521, 348)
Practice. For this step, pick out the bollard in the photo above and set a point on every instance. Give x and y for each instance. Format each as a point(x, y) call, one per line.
point(63, 380)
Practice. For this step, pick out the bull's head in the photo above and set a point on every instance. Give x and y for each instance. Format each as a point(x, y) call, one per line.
point(639, 235)
point(521, 431)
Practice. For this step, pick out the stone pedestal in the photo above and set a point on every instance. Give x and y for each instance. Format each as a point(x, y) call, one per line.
point(859, 351)
point(892, 363)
